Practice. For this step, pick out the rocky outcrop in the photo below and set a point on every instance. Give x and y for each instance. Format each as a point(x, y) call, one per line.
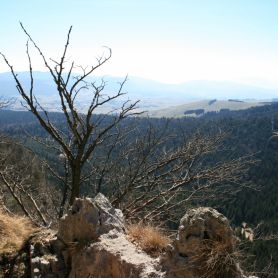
point(204, 247)
point(199, 225)
point(113, 256)
point(100, 247)
point(92, 242)
point(89, 218)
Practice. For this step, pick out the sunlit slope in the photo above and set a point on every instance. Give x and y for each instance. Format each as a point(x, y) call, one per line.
point(198, 108)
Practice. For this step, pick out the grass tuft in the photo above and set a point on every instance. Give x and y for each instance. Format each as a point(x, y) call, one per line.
point(148, 238)
point(217, 259)
point(14, 231)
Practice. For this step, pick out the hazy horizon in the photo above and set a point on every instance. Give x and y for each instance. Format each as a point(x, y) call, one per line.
point(166, 41)
point(131, 77)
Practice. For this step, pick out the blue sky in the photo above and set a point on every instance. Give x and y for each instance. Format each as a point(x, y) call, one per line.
point(169, 41)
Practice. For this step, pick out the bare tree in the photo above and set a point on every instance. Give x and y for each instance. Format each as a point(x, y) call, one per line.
point(141, 171)
point(150, 177)
point(85, 131)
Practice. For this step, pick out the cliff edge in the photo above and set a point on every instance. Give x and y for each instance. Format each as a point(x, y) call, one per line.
point(92, 241)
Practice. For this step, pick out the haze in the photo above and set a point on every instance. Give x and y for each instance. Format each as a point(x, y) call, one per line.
point(167, 41)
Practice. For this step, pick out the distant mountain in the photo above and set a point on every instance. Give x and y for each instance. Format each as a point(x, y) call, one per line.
point(153, 95)
point(199, 108)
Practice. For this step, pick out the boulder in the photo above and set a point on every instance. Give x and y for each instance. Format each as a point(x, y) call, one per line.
point(204, 239)
point(203, 224)
point(88, 218)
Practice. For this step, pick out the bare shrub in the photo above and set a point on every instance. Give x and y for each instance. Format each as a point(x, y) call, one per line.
point(23, 185)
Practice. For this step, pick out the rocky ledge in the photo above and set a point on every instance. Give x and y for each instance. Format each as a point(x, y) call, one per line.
point(92, 242)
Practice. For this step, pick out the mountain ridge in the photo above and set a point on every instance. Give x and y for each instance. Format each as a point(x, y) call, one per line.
point(153, 95)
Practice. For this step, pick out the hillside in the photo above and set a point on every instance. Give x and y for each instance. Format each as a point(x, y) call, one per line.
point(199, 108)
point(250, 132)
point(152, 95)
point(139, 139)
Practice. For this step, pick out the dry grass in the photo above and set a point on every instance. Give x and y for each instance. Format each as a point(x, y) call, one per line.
point(14, 231)
point(149, 238)
point(216, 260)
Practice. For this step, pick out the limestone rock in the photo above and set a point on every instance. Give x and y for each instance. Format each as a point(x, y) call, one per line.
point(45, 259)
point(113, 256)
point(89, 218)
point(91, 242)
point(202, 224)
point(97, 246)
point(202, 232)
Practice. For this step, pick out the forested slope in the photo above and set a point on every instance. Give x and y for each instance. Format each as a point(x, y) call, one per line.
point(250, 132)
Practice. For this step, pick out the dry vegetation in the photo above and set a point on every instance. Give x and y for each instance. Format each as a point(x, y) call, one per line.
point(216, 259)
point(148, 238)
point(14, 231)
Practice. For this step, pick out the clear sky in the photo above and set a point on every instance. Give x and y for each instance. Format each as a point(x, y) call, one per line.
point(169, 41)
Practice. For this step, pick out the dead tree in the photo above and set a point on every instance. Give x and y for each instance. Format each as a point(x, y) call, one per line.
point(150, 178)
point(141, 173)
point(85, 131)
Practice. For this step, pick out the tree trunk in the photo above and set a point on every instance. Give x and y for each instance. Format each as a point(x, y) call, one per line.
point(65, 190)
point(75, 184)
